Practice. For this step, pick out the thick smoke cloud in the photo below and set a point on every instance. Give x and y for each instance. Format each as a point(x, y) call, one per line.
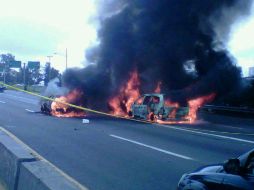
point(178, 42)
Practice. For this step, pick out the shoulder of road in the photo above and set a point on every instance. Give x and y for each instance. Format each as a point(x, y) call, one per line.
point(22, 168)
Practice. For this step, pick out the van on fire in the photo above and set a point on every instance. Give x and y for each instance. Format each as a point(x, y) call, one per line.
point(154, 106)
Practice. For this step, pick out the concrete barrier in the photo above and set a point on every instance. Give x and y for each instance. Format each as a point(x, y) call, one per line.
point(20, 170)
point(12, 155)
point(40, 175)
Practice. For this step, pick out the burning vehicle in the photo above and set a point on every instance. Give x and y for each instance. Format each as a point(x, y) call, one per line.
point(60, 106)
point(128, 102)
point(46, 106)
point(154, 106)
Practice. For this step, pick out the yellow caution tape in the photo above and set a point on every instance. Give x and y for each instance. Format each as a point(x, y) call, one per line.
point(72, 105)
point(108, 114)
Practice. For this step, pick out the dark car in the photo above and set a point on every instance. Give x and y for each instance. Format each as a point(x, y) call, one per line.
point(2, 88)
point(234, 174)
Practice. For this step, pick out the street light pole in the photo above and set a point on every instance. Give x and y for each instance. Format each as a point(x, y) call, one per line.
point(24, 76)
point(49, 57)
point(4, 73)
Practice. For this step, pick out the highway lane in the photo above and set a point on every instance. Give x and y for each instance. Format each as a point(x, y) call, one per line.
point(111, 153)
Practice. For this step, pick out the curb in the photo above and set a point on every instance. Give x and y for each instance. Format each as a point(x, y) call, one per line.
point(41, 176)
point(21, 168)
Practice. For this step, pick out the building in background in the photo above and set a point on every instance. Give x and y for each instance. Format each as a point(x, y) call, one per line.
point(251, 72)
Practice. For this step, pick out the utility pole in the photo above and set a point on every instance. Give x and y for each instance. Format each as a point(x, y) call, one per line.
point(49, 57)
point(4, 73)
point(24, 76)
point(5, 68)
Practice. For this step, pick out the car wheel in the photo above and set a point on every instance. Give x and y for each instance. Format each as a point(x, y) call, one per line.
point(162, 111)
point(152, 117)
point(135, 117)
point(130, 114)
point(42, 108)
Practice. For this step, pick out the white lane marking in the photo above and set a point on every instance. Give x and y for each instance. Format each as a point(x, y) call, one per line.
point(23, 99)
point(209, 134)
point(152, 147)
point(229, 126)
point(37, 155)
point(30, 110)
point(2, 102)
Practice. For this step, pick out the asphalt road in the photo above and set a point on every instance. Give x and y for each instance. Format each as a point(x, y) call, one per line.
point(111, 153)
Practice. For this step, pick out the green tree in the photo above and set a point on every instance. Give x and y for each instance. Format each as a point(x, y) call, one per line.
point(37, 76)
point(7, 58)
point(50, 73)
point(20, 77)
point(7, 76)
point(33, 76)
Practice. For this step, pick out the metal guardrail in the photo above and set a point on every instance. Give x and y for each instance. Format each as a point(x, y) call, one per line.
point(229, 109)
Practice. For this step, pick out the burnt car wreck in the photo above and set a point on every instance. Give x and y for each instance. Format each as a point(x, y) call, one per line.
point(46, 106)
point(154, 106)
point(58, 109)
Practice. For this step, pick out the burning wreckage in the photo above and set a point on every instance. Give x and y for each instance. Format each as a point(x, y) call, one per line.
point(60, 108)
point(153, 107)
point(144, 48)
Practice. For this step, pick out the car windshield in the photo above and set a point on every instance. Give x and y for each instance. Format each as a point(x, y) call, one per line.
point(155, 100)
point(147, 100)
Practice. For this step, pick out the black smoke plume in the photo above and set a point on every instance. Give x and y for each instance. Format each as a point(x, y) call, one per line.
point(178, 42)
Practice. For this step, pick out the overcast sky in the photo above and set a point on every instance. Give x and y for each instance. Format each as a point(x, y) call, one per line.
point(241, 43)
point(35, 29)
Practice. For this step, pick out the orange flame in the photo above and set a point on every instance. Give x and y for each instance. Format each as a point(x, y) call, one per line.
point(195, 104)
point(158, 87)
point(59, 108)
point(171, 104)
point(129, 92)
point(168, 103)
point(121, 104)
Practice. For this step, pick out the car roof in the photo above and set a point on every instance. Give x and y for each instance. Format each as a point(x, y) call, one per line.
point(243, 158)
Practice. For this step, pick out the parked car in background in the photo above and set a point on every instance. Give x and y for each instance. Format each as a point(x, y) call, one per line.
point(2, 88)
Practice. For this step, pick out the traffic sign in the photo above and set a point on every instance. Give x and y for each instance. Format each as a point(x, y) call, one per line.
point(15, 64)
point(33, 64)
